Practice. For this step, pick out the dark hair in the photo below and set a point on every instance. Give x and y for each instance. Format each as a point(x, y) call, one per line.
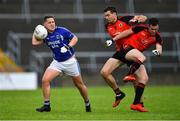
point(110, 8)
point(46, 17)
point(153, 21)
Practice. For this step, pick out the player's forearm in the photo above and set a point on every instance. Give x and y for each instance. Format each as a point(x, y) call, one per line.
point(159, 48)
point(73, 41)
point(140, 18)
point(123, 34)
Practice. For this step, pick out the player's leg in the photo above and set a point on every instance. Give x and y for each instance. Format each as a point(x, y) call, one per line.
point(142, 78)
point(138, 58)
point(78, 82)
point(106, 73)
point(48, 76)
point(135, 83)
point(72, 69)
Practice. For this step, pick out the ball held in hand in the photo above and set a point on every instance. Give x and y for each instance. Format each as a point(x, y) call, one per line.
point(40, 32)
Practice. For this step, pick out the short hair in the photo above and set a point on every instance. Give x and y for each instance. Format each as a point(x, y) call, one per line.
point(46, 17)
point(153, 21)
point(111, 9)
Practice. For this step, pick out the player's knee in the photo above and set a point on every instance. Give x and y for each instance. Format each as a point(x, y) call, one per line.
point(104, 73)
point(144, 79)
point(45, 82)
point(143, 59)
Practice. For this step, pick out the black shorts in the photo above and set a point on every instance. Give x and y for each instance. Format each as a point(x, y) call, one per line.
point(120, 55)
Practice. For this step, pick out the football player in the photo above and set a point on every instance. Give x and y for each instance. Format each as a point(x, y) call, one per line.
point(61, 42)
point(144, 36)
point(115, 25)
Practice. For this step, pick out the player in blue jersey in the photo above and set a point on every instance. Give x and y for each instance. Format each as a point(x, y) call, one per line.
point(61, 41)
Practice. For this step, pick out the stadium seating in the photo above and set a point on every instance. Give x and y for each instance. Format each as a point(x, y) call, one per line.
point(51, 6)
point(156, 6)
point(83, 24)
point(10, 6)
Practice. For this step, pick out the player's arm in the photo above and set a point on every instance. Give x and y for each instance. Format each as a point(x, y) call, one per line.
point(126, 33)
point(139, 19)
point(159, 48)
point(123, 34)
point(133, 19)
point(39, 34)
point(159, 42)
point(36, 41)
point(73, 41)
point(119, 35)
point(112, 32)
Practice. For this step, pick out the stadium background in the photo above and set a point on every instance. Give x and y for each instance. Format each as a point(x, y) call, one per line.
point(85, 18)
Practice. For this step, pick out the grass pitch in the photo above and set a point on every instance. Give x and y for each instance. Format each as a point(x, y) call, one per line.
point(163, 103)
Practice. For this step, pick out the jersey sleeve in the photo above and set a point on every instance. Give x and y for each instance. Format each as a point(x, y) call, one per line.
point(159, 39)
point(68, 34)
point(125, 19)
point(138, 28)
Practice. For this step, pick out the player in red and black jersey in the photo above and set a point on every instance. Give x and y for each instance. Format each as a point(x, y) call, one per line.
point(144, 37)
point(117, 24)
point(114, 27)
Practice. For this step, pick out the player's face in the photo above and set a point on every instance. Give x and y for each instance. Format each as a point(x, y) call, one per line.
point(153, 29)
point(50, 24)
point(110, 17)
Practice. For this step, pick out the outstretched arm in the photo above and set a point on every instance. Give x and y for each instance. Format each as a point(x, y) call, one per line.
point(134, 29)
point(123, 34)
point(139, 18)
point(135, 19)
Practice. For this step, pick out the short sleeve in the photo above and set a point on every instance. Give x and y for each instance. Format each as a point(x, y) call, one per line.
point(68, 34)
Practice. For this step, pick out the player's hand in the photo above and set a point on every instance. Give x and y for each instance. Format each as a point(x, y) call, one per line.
point(64, 49)
point(109, 42)
point(156, 52)
point(133, 21)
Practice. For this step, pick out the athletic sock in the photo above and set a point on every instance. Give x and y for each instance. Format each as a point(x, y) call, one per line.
point(88, 106)
point(134, 67)
point(87, 103)
point(47, 103)
point(139, 91)
point(117, 92)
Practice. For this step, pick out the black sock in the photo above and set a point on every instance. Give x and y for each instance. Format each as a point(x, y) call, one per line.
point(134, 67)
point(117, 91)
point(47, 103)
point(139, 91)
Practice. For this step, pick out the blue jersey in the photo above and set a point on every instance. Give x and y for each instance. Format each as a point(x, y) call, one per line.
point(59, 38)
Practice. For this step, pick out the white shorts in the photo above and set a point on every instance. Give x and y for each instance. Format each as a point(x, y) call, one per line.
point(69, 67)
